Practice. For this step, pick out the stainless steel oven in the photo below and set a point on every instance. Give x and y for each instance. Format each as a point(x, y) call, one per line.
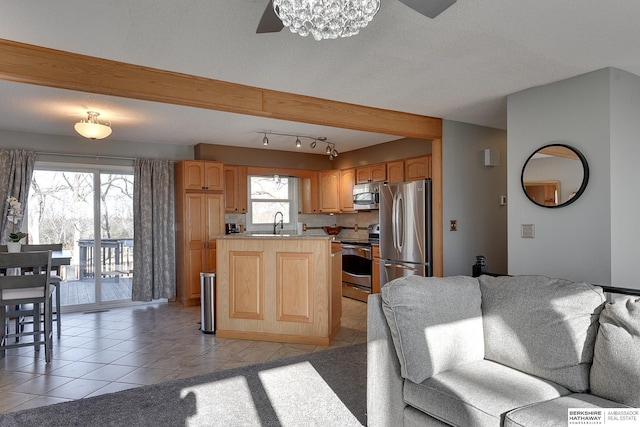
point(357, 265)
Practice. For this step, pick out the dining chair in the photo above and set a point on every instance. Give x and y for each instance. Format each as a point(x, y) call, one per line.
point(24, 279)
point(56, 278)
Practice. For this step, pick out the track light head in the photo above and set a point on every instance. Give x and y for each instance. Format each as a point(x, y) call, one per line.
point(265, 140)
point(298, 143)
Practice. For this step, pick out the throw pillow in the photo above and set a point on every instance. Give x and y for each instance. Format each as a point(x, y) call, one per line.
point(435, 323)
point(542, 326)
point(615, 373)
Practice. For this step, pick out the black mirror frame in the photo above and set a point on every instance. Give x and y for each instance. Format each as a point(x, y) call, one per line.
point(585, 178)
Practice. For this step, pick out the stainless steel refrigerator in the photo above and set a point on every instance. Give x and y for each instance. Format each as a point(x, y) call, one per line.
point(405, 230)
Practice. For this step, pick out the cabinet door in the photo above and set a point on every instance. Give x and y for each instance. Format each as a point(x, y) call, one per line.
point(329, 182)
point(347, 181)
point(363, 175)
point(378, 172)
point(193, 175)
point(214, 216)
point(395, 171)
point(230, 188)
point(213, 176)
point(375, 270)
point(417, 168)
point(241, 199)
point(195, 230)
point(310, 194)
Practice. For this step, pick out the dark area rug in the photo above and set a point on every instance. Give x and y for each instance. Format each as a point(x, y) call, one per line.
point(326, 388)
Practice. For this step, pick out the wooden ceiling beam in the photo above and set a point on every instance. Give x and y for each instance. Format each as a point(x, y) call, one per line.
point(24, 63)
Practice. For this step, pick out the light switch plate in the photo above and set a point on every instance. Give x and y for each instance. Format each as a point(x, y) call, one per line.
point(527, 231)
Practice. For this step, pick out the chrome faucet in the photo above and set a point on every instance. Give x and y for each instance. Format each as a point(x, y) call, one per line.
point(275, 222)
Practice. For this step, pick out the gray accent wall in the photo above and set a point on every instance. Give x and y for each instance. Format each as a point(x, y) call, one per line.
point(594, 239)
point(471, 195)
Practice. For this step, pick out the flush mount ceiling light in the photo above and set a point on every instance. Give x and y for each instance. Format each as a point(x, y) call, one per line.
point(91, 128)
point(326, 19)
point(330, 149)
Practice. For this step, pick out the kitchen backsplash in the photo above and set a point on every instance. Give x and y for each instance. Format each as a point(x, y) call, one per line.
point(315, 222)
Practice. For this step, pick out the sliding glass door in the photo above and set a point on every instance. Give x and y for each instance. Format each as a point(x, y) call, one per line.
point(90, 211)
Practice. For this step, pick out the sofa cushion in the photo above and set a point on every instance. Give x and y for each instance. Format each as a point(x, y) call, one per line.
point(435, 323)
point(615, 373)
point(479, 393)
point(554, 412)
point(542, 326)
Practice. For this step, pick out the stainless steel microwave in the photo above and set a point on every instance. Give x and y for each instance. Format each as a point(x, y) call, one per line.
point(366, 196)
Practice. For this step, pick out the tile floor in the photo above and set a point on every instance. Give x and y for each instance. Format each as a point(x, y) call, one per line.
point(123, 348)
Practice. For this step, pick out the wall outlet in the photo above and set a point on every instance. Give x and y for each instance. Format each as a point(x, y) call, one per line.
point(503, 200)
point(304, 227)
point(527, 231)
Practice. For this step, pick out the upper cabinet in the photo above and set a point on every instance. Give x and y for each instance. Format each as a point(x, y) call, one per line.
point(372, 173)
point(417, 168)
point(309, 194)
point(329, 194)
point(203, 175)
point(395, 171)
point(235, 189)
point(347, 181)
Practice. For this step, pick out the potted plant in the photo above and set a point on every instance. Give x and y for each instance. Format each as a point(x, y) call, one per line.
point(14, 217)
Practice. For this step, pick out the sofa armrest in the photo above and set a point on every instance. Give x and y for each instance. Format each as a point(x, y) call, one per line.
point(385, 403)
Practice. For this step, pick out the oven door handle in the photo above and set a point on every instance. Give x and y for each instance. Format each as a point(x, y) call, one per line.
point(362, 248)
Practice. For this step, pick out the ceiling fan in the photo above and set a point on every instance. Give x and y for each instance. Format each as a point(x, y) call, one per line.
point(271, 23)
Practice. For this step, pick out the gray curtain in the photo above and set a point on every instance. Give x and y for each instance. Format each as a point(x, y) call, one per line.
point(154, 272)
point(16, 171)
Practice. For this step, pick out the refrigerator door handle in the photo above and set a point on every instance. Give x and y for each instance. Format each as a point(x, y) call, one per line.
point(394, 221)
point(401, 220)
point(402, 266)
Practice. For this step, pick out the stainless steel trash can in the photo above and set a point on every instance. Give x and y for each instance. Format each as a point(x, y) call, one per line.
point(208, 302)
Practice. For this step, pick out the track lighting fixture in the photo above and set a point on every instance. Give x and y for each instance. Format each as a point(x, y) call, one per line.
point(330, 150)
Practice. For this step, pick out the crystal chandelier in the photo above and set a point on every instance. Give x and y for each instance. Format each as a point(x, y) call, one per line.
point(326, 19)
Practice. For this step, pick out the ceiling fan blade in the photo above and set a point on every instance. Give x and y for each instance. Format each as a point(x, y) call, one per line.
point(429, 8)
point(269, 23)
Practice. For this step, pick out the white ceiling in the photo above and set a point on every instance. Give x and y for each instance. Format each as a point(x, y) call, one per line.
point(459, 66)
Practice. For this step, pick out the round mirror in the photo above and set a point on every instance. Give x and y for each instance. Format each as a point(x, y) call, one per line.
point(555, 175)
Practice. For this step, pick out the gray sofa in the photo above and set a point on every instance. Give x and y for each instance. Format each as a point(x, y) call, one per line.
point(498, 351)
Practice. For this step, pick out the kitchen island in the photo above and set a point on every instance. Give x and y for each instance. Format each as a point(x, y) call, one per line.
point(278, 288)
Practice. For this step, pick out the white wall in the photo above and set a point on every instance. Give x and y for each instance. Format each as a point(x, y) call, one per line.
point(471, 195)
point(625, 178)
point(78, 145)
point(572, 242)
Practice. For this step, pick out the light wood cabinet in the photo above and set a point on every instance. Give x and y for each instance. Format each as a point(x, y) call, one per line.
point(347, 181)
point(278, 289)
point(309, 194)
point(199, 221)
point(417, 168)
point(395, 171)
point(329, 191)
point(235, 189)
point(202, 175)
point(375, 273)
point(371, 173)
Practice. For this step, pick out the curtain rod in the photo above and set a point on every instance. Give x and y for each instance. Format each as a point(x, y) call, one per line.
point(97, 157)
